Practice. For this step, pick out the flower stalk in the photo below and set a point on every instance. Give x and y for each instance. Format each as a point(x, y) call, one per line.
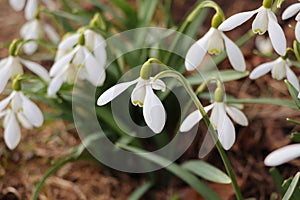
point(213, 132)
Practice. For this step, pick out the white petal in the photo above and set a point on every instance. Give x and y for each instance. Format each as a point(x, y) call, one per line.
point(260, 23)
point(297, 31)
point(192, 119)
point(226, 132)
point(37, 69)
point(55, 85)
point(236, 20)
point(30, 9)
point(262, 69)
point(5, 74)
point(153, 111)
point(235, 55)
point(51, 33)
point(99, 49)
point(158, 85)
point(17, 5)
point(283, 155)
point(24, 121)
point(139, 93)
point(197, 52)
point(291, 11)
point(62, 63)
point(276, 35)
point(69, 42)
point(292, 78)
point(279, 69)
point(30, 47)
point(113, 92)
point(215, 42)
point(237, 115)
point(96, 72)
point(16, 102)
point(12, 132)
point(33, 114)
point(4, 103)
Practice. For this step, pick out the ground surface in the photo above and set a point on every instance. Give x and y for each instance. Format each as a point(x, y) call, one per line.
point(22, 168)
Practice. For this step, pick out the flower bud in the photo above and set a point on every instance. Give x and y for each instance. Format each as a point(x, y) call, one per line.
point(81, 39)
point(267, 3)
point(145, 72)
point(217, 20)
point(13, 48)
point(219, 94)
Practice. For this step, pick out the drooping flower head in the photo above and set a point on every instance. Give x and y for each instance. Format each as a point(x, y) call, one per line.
point(80, 55)
point(12, 66)
point(214, 42)
point(35, 29)
point(280, 68)
point(265, 20)
point(219, 118)
point(142, 96)
point(18, 109)
point(292, 10)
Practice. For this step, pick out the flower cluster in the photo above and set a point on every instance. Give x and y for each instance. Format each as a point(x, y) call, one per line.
point(80, 56)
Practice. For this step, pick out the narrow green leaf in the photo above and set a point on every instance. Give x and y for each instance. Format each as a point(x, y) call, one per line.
point(206, 171)
point(277, 178)
point(279, 102)
point(74, 17)
point(292, 187)
point(140, 191)
point(146, 11)
point(294, 93)
point(224, 76)
point(186, 176)
point(295, 136)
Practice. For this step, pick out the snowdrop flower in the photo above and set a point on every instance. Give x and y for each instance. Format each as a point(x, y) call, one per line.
point(219, 119)
point(19, 110)
point(214, 42)
point(291, 11)
point(265, 20)
point(142, 96)
point(280, 68)
point(12, 65)
point(283, 155)
point(33, 30)
point(30, 6)
point(82, 55)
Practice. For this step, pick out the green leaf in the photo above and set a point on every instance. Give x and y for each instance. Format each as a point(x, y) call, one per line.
point(140, 191)
point(279, 102)
point(83, 19)
point(292, 187)
point(294, 93)
point(277, 178)
point(146, 11)
point(206, 171)
point(186, 176)
point(224, 76)
point(295, 136)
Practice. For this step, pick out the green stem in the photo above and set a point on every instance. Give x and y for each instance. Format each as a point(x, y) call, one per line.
point(180, 77)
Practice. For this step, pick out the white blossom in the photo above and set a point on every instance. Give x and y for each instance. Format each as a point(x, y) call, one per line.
point(34, 30)
point(292, 10)
point(12, 66)
point(213, 42)
point(265, 20)
point(219, 120)
point(85, 62)
point(19, 109)
point(280, 68)
point(143, 96)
